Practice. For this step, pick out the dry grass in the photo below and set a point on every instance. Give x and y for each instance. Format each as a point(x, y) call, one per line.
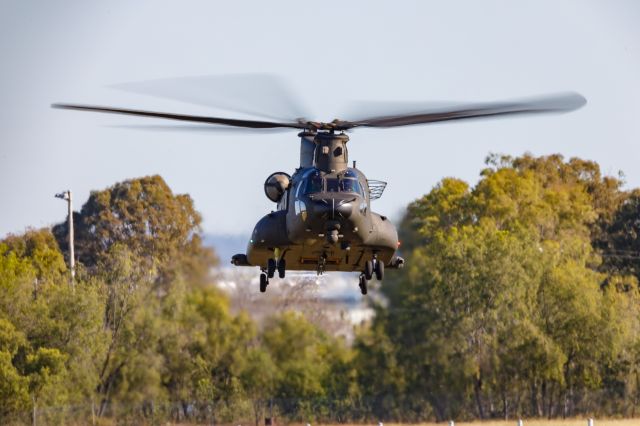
point(572, 422)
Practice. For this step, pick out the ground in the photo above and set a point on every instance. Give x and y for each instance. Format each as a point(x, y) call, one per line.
point(572, 422)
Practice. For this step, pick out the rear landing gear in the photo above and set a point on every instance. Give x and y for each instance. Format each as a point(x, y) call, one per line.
point(371, 267)
point(368, 269)
point(264, 282)
point(363, 284)
point(378, 268)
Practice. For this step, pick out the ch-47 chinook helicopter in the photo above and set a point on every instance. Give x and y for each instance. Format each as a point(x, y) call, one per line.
point(323, 220)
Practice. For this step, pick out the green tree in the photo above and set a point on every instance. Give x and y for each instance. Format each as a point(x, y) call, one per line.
point(258, 378)
point(14, 390)
point(159, 228)
point(619, 240)
point(501, 292)
point(298, 349)
point(56, 323)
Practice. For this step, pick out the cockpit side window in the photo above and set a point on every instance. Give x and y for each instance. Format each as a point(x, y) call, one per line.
point(350, 173)
point(298, 187)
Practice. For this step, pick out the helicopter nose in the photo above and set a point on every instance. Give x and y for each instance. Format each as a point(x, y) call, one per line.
point(333, 208)
point(344, 209)
point(321, 208)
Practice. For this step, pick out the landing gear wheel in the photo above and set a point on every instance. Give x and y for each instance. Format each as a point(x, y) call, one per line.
point(379, 270)
point(282, 266)
point(264, 282)
point(368, 269)
point(271, 268)
point(362, 284)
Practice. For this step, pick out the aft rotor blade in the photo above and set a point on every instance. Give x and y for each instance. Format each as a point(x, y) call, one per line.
point(252, 124)
point(265, 96)
point(558, 103)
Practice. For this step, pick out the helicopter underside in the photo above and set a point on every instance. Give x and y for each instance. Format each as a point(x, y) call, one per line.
point(369, 260)
point(321, 257)
point(310, 251)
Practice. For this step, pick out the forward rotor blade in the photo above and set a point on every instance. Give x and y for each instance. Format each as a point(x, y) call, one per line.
point(199, 128)
point(252, 124)
point(558, 103)
point(263, 95)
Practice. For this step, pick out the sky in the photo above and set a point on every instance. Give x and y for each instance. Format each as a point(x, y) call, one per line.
point(332, 53)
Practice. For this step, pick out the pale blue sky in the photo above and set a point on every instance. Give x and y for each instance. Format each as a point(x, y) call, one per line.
point(331, 52)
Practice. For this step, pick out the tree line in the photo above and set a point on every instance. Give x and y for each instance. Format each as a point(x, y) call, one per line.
point(519, 299)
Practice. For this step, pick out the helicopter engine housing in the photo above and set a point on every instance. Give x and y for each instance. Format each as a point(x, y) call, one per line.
point(276, 185)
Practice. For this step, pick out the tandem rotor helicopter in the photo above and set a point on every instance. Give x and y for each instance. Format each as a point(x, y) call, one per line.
point(323, 220)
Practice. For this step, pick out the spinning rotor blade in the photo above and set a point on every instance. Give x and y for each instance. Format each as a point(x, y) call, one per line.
point(558, 103)
point(563, 102)
point(262, 95)
point(200, 128)
point(252, 124)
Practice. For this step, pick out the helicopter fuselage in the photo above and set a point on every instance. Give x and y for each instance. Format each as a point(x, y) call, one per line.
point(323, 222)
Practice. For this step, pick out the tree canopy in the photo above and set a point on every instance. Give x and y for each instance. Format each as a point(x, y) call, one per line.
point(503, 309)
point(520, 298)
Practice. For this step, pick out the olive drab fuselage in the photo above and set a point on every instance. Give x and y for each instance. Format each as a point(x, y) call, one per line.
point(323, 215)
point(323, 220)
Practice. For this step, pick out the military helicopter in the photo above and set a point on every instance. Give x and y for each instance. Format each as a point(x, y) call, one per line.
point(323, 220)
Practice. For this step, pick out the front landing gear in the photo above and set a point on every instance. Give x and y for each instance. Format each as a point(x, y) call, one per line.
point(271, 268)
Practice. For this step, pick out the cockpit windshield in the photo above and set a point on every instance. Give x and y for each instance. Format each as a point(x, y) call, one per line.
point(350, 185)
point(343, 185)
point(315, 182)
point(333, 185)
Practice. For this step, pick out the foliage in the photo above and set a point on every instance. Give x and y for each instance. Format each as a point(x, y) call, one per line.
point(502, 311)
point(159, 228)
point(520, 298)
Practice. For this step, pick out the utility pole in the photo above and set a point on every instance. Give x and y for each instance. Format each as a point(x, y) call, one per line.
point(66, 195)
